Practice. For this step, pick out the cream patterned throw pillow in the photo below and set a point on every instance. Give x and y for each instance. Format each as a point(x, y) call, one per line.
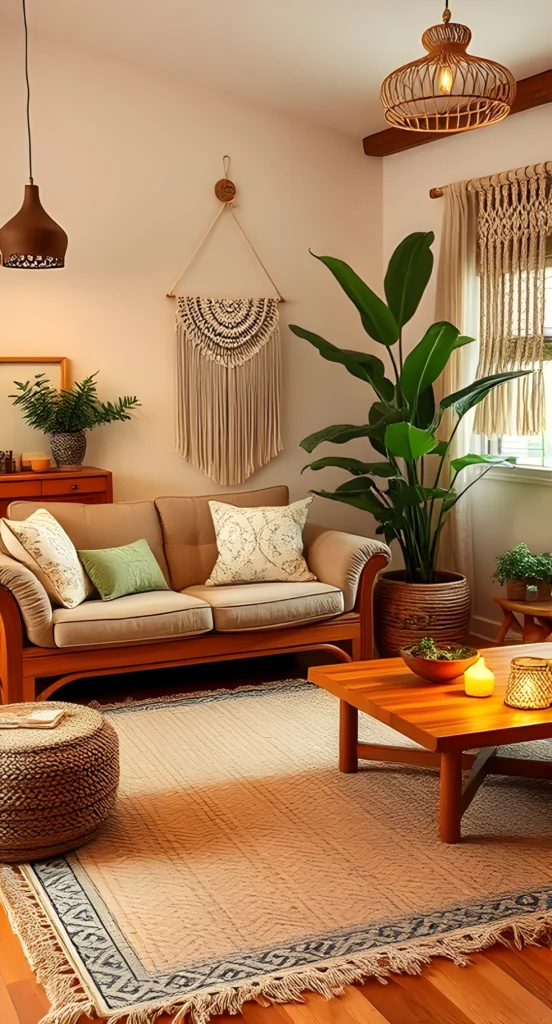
point(257, 545)
point(41, 544)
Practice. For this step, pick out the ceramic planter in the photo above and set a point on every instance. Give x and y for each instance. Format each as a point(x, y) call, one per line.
point(69, 449)
point(405, 613)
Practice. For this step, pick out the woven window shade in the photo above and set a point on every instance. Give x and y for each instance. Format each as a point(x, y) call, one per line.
point(514, 247)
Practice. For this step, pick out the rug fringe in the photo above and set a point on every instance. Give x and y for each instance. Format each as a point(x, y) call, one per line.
point(69, 999)
point(66, 993)
point(134, 702)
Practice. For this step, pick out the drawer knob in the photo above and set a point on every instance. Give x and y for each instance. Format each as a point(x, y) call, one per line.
point(74, 487)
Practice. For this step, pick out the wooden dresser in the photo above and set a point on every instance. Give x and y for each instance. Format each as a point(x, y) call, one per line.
point(87, 484)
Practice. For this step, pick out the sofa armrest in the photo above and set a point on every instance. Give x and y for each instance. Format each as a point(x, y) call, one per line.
point(340, 558)
point(32, 599)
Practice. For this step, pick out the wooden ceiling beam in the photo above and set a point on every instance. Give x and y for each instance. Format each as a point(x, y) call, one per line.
point(531, 92)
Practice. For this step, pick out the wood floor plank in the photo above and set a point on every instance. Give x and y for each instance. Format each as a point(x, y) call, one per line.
point(297, 1013)
point(418, 1003)
point(13, 962)
point(486, 994)
point(29, 1000)
point(8, 1013)
point(420, 991)
point(343, 1010)
point(253, 1013)
point(361, 1010)
point(533, 969)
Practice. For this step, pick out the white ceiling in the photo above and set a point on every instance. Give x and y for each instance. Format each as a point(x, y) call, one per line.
point(324, 59)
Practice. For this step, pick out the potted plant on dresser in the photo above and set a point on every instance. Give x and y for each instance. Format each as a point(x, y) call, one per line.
point(407, 482)
point(519, 569)
point(66, 415)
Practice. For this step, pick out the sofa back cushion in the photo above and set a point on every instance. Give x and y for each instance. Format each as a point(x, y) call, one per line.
point(189, 535)
point(93, 527)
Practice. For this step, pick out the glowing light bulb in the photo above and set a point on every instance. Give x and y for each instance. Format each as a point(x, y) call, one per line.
point(444, 80)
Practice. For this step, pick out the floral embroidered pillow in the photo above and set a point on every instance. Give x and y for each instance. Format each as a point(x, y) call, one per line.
point(260, 544)
point(41, 544)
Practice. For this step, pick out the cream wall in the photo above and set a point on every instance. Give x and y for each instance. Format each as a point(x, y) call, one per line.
point(504, 512)
point(126, 162)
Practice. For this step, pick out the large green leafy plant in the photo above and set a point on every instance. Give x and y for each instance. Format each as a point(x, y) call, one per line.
point(409, 494)
point(59, 412)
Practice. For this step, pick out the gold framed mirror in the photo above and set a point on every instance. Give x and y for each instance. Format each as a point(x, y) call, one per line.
point(15, 434)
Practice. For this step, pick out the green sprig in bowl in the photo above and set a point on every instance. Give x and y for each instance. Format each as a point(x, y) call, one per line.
point(438, 663)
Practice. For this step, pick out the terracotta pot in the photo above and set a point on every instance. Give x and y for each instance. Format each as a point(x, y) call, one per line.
point(516, 590)
point(439, 671)
point(405, 613)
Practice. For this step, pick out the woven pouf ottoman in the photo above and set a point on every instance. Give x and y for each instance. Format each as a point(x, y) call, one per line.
point(57, 785)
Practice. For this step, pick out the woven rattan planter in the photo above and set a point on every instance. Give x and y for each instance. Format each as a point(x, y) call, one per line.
point(57, 785)
point(405, 613)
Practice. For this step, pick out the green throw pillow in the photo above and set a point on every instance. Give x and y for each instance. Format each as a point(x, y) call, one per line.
point(132, 569)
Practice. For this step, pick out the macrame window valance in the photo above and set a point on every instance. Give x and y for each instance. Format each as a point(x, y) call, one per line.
point(514, 222)
point(228, 385)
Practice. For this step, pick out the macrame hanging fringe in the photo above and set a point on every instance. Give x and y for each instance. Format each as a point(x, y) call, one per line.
point(229, 383)
point(515, 218)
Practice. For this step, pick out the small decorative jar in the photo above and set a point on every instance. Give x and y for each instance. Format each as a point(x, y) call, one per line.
point(530, 684)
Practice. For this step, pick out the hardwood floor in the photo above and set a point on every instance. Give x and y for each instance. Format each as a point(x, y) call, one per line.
point(501, 986)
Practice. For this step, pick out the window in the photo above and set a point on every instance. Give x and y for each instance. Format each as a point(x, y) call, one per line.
point(534, 451)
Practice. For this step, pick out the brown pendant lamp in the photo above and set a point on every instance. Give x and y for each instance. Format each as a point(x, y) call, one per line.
point(448, 90)
point(32, 240)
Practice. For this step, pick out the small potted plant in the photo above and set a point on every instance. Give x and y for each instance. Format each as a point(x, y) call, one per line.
point(519, 569)
point(66, 415)
point(438, 662)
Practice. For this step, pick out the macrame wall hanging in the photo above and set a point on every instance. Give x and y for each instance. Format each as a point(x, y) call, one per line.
point(228, 373)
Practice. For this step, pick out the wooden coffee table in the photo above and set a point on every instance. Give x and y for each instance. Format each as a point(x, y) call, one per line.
point(443, 720)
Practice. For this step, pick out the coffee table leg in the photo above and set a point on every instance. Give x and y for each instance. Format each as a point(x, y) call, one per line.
point(450, 805)
point(348, 737)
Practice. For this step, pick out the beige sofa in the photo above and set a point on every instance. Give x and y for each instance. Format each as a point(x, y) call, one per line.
point(42, 647)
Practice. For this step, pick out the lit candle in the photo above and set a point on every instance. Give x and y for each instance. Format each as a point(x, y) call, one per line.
point(479, 680)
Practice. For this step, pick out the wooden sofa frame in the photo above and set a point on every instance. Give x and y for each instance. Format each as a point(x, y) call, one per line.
point(31, 673)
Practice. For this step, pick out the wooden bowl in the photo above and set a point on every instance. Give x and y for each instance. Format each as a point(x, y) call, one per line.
point(439, 671)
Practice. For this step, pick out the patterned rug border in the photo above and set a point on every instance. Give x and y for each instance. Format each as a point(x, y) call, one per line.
point(70, 995)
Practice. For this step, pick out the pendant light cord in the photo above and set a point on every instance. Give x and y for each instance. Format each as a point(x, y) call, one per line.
point(28, 91)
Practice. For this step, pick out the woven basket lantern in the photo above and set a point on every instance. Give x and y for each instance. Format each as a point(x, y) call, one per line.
point(530, 684)
point(448, 90)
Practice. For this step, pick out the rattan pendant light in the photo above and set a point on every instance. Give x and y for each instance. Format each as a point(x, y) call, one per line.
point(448, 90)
point(32, 240)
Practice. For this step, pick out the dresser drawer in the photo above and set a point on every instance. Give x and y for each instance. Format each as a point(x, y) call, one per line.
point(84, 485)
point(23, 489)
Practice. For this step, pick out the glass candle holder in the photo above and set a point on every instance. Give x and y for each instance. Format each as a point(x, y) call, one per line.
point(530, 683)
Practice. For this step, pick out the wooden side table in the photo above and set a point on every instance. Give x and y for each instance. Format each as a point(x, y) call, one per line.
point(537, 620)
point(88, 484)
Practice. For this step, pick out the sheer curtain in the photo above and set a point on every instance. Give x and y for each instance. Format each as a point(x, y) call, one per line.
point(458, 301)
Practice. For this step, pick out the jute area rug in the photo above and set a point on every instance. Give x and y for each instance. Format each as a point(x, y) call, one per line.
point(240, 864)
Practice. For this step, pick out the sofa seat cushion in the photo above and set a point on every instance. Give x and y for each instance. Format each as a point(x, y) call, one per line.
point(269, 605)
point(137, 618)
